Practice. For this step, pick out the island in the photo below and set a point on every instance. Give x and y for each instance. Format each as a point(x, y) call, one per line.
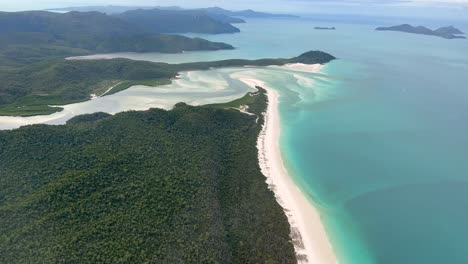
point(449, 32)
point(325, 28)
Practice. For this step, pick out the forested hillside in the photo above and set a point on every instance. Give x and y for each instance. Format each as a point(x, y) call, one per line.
point(175, 21)
point(29, 37)
point(179, 186)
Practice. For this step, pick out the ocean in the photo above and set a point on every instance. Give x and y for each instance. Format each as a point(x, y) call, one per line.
point(378, 140)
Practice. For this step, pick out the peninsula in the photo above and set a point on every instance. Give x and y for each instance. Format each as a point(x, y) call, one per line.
point(449, 32)
point(179, 186)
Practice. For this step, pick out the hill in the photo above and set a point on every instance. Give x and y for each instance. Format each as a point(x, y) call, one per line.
point(443, 32)
point(179, 186)
point(249, 13)
point(111, 9)
point(66, 24)
point(449, 30)
point(169, 21)
point(210, 10)
point(29, 37)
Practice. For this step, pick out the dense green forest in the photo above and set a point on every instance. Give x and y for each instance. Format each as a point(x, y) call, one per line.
point(180, 21)
point(29, 90)
point(179, 186)
point(29, 37)
point(33, 46)
point(127, 23)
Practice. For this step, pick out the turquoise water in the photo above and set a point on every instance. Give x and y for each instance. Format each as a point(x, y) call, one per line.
point(384, 151)
point(378, 140)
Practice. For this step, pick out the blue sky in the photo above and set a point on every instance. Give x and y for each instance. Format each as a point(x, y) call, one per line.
point(418, 8)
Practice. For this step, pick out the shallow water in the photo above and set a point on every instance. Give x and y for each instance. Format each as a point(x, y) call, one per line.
point(378, 140)
point(194, 88)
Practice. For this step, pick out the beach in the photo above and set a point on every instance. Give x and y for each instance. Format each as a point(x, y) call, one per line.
point(300, 67)
point(307, 231)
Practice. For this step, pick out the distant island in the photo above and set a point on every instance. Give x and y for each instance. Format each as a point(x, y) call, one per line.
point(449, 32)
point(110, 9)
point(325, 28)
point(249, 13)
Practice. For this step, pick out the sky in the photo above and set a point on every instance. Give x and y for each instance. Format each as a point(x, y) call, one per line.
point(454, 9)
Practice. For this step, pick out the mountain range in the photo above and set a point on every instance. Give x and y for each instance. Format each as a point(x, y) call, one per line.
point(32, 36)
point(173, 21)
point(110, 9)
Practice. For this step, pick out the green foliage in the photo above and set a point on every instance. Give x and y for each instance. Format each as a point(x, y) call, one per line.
point(313, 57)
point(34, 36)
point(245, 100)
point(177, 21)
point(33, 109)
point(18, 49)
point(59, 82)
point(127, 84)
point(180, 186)
point(88, 118)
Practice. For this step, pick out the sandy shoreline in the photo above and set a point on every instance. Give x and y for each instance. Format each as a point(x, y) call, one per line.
point(301, 67)
point(311, 241)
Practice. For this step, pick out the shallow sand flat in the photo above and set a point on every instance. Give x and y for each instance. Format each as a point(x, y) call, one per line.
point(301, 67)
point(194, 88)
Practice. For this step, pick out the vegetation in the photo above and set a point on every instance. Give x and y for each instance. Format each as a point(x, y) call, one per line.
point(247, 99)
point(59, 82)
point(128, 23)
point(177, 21)
point(35, 36)
point(127, 84)
point(88, 118)
point(179, 186)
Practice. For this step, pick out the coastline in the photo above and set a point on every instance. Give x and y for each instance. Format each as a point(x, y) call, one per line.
point(310, 239)
point(300, 67)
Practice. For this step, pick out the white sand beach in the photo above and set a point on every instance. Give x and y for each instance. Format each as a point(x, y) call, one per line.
point(301, 67)
point(310, 238)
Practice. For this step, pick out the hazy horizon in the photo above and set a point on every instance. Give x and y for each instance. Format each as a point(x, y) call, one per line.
point(452, 9)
